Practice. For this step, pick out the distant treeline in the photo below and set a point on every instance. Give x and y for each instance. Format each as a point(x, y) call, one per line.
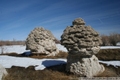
point(12, 42)
point(110, 40)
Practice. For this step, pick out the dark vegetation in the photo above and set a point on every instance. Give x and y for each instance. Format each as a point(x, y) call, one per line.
point(111, 39)
point(109, 54)
point(12, 43)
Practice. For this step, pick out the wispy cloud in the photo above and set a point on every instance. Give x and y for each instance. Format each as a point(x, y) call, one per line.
point(23, 15)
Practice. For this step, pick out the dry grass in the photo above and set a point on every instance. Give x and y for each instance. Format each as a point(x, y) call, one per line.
point(51, 73)
point(61, 54)
point(110, 71)
point(104, 54)
point(109, 54)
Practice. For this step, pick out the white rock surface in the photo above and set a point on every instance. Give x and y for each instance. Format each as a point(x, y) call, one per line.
point(87, 67)
point(3, 72)
point(41, 41)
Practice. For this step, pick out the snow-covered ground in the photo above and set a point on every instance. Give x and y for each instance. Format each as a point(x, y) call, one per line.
point(21, 49)
point(110, 47)
point(40, 64)
point(14, 48)
point(114, 63)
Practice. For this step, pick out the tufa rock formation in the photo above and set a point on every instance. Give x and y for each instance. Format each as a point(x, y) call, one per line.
point(41, 41)
point(3, 72)
point(82, 43)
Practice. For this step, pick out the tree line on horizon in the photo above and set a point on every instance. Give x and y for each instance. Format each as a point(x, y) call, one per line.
point(111, 40)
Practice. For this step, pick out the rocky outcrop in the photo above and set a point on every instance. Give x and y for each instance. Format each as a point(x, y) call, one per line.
point(84, 67)
point(81, 39)
point(41, 41)
point(82, 43)
point(3, 72)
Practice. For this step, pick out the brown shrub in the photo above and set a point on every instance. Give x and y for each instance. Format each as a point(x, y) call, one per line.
point(12, 42)
point(114, 38)
point(109, 54)
point(111, 39)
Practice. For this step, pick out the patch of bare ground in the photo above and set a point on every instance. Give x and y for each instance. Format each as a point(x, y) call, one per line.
point(61, 54)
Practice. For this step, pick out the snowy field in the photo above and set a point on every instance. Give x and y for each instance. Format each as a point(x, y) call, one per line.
point(110, 47)
point(40, 64)
point(21, 49)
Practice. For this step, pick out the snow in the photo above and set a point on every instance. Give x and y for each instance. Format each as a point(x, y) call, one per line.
point(114, 63)
point(21, 48)
point(110, 47)
point(14, 48)
point(40, 64)
point(118, 44)
point(60, 47)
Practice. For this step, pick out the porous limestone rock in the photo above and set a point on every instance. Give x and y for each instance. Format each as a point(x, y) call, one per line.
point(84, 67)
point(41, 41)
point(3, 72)
point(82, 43)
point(81, 39)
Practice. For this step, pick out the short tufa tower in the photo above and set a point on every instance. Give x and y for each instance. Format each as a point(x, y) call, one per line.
point(82, 43)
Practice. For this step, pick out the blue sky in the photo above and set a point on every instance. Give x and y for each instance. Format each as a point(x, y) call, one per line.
point(19, 17)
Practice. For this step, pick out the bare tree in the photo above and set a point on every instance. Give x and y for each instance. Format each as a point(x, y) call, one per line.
point(114, 38)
